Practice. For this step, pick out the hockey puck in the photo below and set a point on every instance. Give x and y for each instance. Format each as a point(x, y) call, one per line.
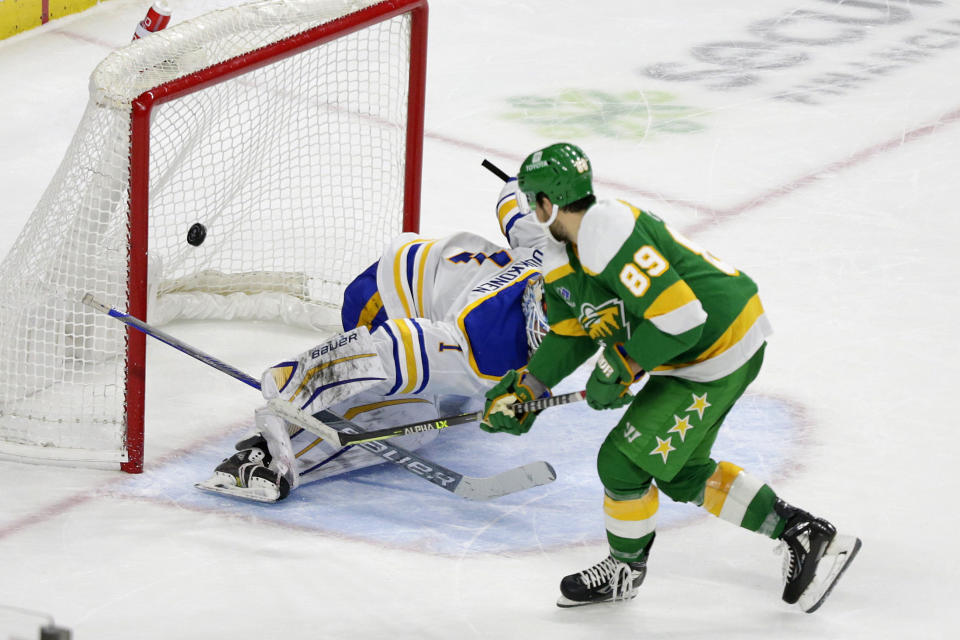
point(197, 234)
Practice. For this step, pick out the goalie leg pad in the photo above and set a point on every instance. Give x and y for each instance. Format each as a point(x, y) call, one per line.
point(369, 411)
point(328, 373)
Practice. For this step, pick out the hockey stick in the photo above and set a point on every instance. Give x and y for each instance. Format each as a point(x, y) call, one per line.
point(495, 170)
point(345, 439)
point(304, 419)
point(527, 476)
point(167, 339)
point(532, 474)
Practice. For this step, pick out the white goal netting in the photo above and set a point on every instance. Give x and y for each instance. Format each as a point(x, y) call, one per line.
point(293, 163)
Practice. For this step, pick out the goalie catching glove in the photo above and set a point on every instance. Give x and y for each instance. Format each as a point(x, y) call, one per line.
point(514, 387)
point(609, 384)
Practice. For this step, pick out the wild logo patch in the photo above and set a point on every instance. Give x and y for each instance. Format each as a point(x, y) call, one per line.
point(604, 320)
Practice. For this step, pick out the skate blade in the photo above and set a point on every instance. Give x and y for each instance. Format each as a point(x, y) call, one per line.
point(252, 494)
point(566, 603)
point(841, 552)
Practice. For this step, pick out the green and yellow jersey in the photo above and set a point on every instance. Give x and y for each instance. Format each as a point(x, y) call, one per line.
point(677, 309)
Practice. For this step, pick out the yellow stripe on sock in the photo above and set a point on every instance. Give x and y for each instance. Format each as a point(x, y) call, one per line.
point(730, 491)
point(632, 518)
point(718, 487)
point(639, 509)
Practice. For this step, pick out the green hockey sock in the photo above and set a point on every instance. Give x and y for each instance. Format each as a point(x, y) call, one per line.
point(734, 495)
point(631, 522)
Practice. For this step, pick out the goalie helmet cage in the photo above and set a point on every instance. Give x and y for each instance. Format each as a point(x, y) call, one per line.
point(287, 134)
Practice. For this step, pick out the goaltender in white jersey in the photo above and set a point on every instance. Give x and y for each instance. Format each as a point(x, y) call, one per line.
point(429, 328)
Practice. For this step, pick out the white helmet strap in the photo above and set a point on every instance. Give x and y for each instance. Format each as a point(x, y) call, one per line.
point(552, 218)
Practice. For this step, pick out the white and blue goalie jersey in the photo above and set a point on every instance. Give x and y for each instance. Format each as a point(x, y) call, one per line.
point(461, 297)
point(429, 328)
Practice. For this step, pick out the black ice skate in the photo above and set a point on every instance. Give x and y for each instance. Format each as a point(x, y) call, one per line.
point(606, 581)
point(815, 556)
point(247, 474)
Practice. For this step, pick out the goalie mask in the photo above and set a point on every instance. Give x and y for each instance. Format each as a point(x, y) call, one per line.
point(534, 311)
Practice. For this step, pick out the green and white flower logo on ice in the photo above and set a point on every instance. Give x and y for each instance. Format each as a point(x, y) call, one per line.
point(577, 113)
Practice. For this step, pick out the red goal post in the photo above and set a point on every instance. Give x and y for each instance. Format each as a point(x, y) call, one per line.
point(291, 131)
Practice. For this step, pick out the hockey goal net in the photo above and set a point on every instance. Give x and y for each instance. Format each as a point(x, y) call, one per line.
point(285, 134)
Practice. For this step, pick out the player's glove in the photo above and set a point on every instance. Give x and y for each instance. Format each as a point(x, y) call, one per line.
point(609, 384)
point(514, 387)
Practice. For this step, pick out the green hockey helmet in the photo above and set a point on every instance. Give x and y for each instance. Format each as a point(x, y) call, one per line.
point(561, 171)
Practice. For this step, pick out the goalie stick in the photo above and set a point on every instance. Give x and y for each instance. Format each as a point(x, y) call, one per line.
point(533, 474)
point(345, 439)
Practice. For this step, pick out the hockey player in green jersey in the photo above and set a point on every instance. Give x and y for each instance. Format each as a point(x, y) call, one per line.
point(663, 311)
